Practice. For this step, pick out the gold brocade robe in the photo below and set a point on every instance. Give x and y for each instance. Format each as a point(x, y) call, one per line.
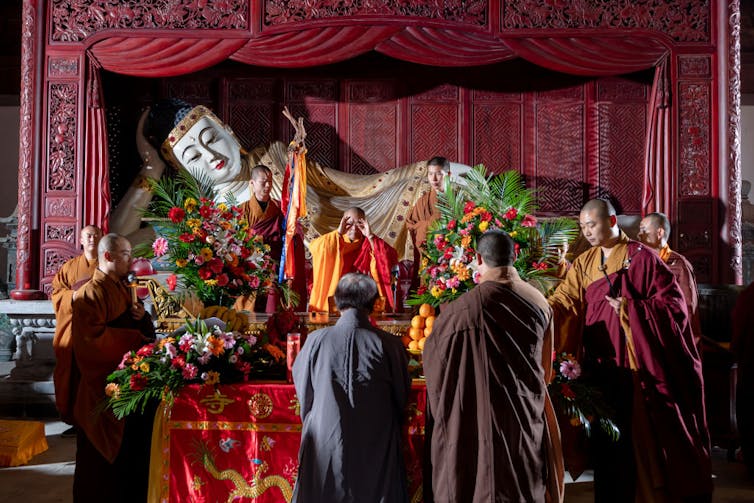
point(71, 276)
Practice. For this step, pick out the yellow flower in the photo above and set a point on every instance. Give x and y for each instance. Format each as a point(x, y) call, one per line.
point(425, 262)
point(436, 292)
point(181, 262)
point(206, 253)
point(194, 223)
point(167, 340)
point(466, 241)
point(513, 234)
point(463, 273)
point(483, 226)
point(222, 207)
point(144, 367)
point(190, 204)
point(210, 282)
point(212, 378)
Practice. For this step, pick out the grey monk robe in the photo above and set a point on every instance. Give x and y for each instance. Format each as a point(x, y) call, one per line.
point(494, 437)
point(352, 383)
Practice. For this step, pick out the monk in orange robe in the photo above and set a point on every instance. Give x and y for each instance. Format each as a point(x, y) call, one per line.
point(112, 456)
point(425, 210)
point(70, 277)
point(654, 231)
point(266, 219)
point(350, 248)
point(621, 310)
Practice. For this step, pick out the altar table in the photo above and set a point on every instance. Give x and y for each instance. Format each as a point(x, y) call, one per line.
point(241, 441)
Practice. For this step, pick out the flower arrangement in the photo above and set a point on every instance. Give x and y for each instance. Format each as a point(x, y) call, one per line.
point(209, 245)
point(200, 355)
point(581, 403)
point(448, 267)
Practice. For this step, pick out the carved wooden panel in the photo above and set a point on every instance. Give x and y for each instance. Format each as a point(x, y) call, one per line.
point(196, 91)
point(496, 136)
point(60, 232)
point(249, 105)
point(622, 132)
point(62, 134)
point(620, 89)
point(321, 121)
point(63, 67)
point(54, 258)
point(372, 138)
point(694, 66)
point(434, 131)
point(694, 138)
point(559, 174)
point(58, 207)
point(683, 21)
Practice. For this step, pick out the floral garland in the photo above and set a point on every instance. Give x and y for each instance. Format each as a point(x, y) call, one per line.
point(200, 355)
point(448, 266)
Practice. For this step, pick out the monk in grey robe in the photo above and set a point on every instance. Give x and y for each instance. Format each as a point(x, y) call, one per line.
point(495, 436)
point(352, 383)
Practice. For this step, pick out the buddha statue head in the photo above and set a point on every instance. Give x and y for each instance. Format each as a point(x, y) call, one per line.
point(194, 138)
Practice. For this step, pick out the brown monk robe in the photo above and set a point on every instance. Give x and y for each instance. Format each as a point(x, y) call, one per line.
point(266, 219)
point(425, 211)
point(112, 456)
point(71, 276)
point(491, 428)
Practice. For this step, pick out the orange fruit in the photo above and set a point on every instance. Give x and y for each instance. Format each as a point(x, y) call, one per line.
point(420, 343)
point(426, 310)
point(415, 333)
point(429, 321)
point(417, 322)
point(405, 340)
point(427, 331)
point(413, 345)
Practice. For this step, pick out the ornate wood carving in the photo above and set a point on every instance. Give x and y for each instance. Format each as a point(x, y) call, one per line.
point(54, 259)
point(559, 170)
point(60, 207)
point(62, 111)
point(63, 67)
point(694, 139)
point(622, 132)
point(694, 66)
point(323, 133)
point(373, 134)
point(617, 89)
point(496, 136)
point(75, 20)
point(470, 12)
point(434, 131)
point(684, 21)
point(303, 90)
point(60, 232)
point(734, 140)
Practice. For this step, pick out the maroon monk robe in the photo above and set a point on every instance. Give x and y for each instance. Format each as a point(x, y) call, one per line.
point(664, 425)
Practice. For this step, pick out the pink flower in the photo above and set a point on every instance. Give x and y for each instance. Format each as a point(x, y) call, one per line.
point(189, 371)
point(570, 369)
point(529, 221)
point(254, 282)
point(160, 247)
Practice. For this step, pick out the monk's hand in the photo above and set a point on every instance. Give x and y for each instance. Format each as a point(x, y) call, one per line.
point(563, 252)
point(345, 223)
point(153, 165)
point(137, 311)
point(363, 224)
point(615, 303)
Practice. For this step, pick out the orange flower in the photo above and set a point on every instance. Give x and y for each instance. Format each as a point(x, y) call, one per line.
point(274, 351)
point(215, 345)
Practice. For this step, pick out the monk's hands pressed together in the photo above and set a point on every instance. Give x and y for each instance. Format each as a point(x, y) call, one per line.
point(137, 311)
point(615, 303)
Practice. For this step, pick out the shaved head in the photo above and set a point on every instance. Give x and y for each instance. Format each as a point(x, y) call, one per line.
point(601, 208)
point(259, 171)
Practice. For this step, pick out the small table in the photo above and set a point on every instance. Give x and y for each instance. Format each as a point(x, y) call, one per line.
point(242, 440)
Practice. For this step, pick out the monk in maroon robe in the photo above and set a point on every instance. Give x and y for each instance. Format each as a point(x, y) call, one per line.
point(71, 276)
point(622, 311)
point(266, 219)
point(492, 431)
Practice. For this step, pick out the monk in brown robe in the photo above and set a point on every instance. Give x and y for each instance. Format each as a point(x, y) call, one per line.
point(654, 231)
point(69, 278)
point(620, 309)
point(112, 456)
point(350, 248)
point(494, 435)
point(425, 210)
point(266, 219)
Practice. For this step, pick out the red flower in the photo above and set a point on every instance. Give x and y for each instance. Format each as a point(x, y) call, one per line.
point(172, 282)
point(511, 214)
point(186, 237)
point(204, 272)
point(205, 211)
point(486, 216)
point(567, 391)
point(176, 215)
point(215, 265)
point(145, 350)
point(452, 225)
point(542, 266)
point(516, 248)
point(222, 280)
point(179, 362)
point(469, 206)
point(138, 382)
point(529, 221)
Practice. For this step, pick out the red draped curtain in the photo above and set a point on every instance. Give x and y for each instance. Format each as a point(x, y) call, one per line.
point(591, 56)
point(96, 174)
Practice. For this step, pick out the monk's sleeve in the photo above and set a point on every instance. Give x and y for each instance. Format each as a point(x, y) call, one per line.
point(416, 224)
point(568, 311)
point(687, 282)
point(326, 265)
point(384, 257)
point(62, 294)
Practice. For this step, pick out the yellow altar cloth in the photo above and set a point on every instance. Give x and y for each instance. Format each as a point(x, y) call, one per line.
point(20, 441)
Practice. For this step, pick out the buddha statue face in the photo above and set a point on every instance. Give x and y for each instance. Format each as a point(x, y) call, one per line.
point(209, 150)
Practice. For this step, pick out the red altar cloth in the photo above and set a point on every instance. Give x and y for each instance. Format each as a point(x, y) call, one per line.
point(242, 441)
